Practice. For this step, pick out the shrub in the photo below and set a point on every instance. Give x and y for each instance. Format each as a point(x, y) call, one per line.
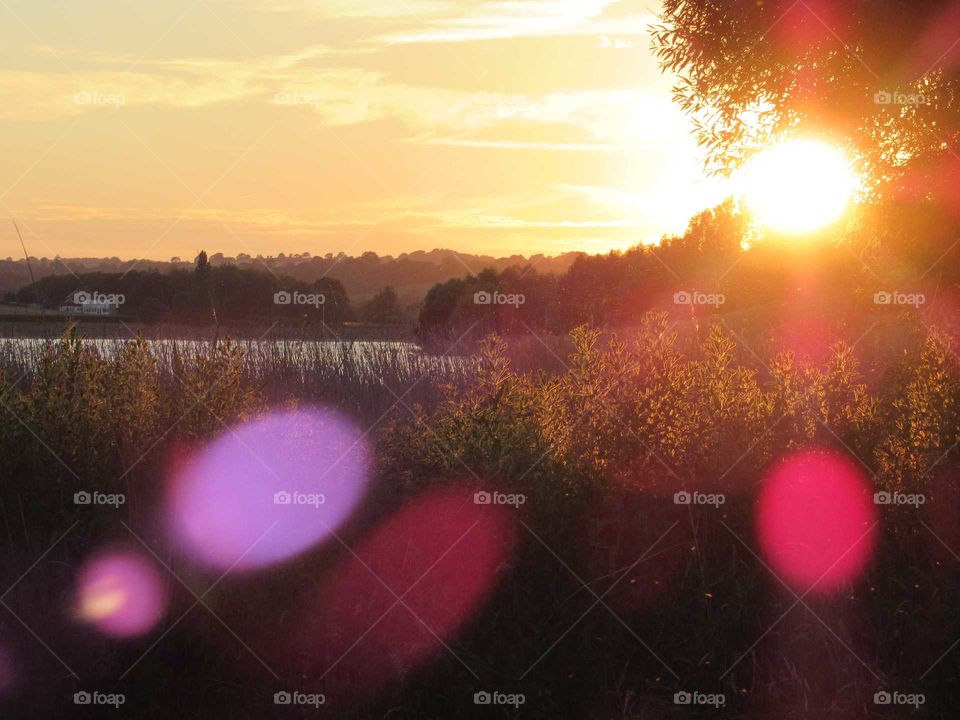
point(211, 392)
point(922, 418)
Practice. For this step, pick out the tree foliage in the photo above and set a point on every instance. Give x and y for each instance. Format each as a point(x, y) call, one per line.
point(383, 308)
point(749, 71)
point(224, 293)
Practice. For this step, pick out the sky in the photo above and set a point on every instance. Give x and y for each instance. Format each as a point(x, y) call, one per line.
point(154, 129)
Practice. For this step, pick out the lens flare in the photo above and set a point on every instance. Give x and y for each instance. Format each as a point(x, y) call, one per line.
point(269, 489)
point(440, 556)
point(816, 521)
point(121, 594)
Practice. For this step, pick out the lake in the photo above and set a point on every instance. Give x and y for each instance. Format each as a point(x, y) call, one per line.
point(364, 356)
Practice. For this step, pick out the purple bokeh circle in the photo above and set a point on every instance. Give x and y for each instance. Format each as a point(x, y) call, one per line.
point(268, 489)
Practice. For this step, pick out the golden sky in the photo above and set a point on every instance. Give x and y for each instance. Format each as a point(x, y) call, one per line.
point(153, 129)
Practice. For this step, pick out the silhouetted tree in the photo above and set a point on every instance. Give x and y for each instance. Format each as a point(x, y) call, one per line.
point(383, 308)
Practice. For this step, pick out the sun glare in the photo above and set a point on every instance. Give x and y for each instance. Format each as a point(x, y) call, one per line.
point(799, 186)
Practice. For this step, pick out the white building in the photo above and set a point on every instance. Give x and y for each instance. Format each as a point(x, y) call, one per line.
point(91, 308)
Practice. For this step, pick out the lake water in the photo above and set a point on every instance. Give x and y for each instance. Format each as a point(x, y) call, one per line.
point(261, 355)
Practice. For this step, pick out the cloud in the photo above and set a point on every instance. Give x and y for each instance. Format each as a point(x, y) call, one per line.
point(588, 121)
point(500, 19)
point(597, 120)
point(615, 43)
point(364, 9)
point(343, 95)
point(529, 145)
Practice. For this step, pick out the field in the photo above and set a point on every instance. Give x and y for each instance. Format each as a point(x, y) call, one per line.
point(620, 558)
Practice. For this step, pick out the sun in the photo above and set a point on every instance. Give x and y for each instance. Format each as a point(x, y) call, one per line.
point(799, 186)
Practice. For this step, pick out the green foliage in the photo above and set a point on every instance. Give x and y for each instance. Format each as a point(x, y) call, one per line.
point(205, 296)
point(134, 407)
point(615, 409)
point(730, 412)
point(643, 413)
point(458, 307)
point(828, 405)
point(639, 412)
point(383, 308)
point(64, 416)
point(850, 413)
point(82, 419)
point(479, 427)
point(922, 421)
point(492, 436)
point(213, 392)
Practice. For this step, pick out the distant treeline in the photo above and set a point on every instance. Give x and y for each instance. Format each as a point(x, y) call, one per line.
point(210, 294)
point(903, 255)
point(721, 264)
point(362, 276)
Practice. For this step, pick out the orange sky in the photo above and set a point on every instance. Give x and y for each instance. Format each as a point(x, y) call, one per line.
point(153, 129)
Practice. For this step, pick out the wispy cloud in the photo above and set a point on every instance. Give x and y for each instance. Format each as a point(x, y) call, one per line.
point(532, 145)
point(500, 19)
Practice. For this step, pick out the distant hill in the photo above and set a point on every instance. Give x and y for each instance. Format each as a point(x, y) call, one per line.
point(410, 274)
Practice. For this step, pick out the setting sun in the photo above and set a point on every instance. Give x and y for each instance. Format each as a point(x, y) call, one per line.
point(799, 186)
